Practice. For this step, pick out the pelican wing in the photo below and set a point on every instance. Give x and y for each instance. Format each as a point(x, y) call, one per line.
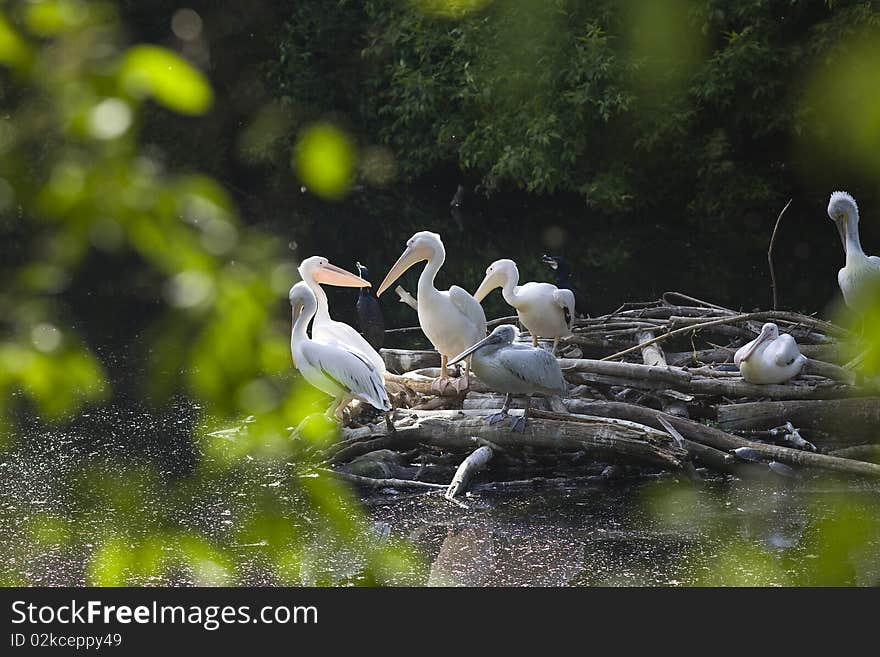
point(534, 367)
point(785, 350)
point(565, 299)
point(468, 306)
point(350, 371)
point(344, 336)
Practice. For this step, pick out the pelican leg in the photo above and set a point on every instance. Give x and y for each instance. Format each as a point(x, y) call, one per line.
point(555, 346)
point(461, 384)
point(518, 424)
point(534, 340)
point(497, 417)
point(337, 408)
point(440, 384)
point(389, 422)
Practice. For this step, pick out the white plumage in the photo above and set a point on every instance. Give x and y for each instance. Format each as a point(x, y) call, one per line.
point(452, 319)
point(770, 358)
point(544, 309)
point(325, 330)
point(331, 368)
point(859, 279)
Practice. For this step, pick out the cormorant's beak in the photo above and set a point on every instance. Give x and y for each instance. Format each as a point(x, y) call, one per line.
point(551, 262)
point(333, 275)
point(406, 260)
point(467, 352)
point(762, 337)
point(485, 287)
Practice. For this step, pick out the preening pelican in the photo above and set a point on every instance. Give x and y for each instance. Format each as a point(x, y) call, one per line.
point(859, 279)
point(544, 309)
point(562, 272)
point(452, 320)
point(370, 319)
point(317, 270)
point(342, 374)
point(514, 369)
point(769, 358)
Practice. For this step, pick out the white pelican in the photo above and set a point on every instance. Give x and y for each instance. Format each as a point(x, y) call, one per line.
point(544, 309)
point(452, 320)
point(514, 369)
point(859, 279)
point(342, 374)
point(317, 270)
point(769, 358)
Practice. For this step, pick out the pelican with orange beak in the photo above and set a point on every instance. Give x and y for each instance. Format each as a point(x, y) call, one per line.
point(317, 270)
point(770, 358)
point(451, 319)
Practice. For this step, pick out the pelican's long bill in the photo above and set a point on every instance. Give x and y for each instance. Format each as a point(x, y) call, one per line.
point(841, 230)
point(486, 286)
point(489, 339)
point(762, 337)
point(333, 275)
point(406, 260)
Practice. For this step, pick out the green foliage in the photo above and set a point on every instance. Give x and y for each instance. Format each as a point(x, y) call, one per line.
point(592, 98)
point(75, 182)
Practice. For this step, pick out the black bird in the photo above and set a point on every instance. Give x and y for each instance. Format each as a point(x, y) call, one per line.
point(370, 319)
point(562, 270)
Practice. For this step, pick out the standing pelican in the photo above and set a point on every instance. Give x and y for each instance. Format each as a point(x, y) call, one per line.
point(317, 270)
point(514, 369)
point(343, 374)
point(544, 309)
point(769, 358)
point(452, 320)
point(562, 271)
point(370, 319)
point(859, 279)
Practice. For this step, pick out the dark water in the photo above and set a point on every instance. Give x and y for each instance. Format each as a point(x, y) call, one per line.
point(765, 530)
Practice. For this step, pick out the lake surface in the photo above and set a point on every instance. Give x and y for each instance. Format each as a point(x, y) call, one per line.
point(764, 530)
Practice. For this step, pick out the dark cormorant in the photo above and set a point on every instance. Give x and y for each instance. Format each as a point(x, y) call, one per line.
point(370, 319)
point(562, 270)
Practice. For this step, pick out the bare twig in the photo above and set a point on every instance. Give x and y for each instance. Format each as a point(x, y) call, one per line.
point(770, 254)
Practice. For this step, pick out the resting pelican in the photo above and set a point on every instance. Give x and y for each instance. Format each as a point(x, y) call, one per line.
point(769, 358)
point(452, 320)
point(562, 270)
point(343, 374)
point(317, 270)
point(370, 319)
point(544, 309)
point(859, 279)
point(514, 369)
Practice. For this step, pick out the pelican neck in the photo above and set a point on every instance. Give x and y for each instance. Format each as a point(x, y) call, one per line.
point(429, 273)
point(323, 307)
point(510, 287)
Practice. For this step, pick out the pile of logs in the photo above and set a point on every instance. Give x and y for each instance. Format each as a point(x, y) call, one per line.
point(653, 390)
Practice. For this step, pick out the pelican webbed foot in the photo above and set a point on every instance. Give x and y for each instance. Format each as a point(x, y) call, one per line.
point(503, 413)
point(518, 424)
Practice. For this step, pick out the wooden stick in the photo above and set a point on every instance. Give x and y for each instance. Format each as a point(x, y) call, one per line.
point(770, 254)
point(475, 462)
point(371, 482)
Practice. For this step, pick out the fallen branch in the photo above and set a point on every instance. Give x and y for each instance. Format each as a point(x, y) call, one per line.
point(466, 471)
point(770, 254)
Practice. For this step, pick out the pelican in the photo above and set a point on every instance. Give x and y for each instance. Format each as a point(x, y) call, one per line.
point(544, 309)
point(452, 320)
point(331, 368)
point(769, 358)
point(370, 319)
point(317, 270)
point(859, 279)
point(514, 369)
point(562, 269)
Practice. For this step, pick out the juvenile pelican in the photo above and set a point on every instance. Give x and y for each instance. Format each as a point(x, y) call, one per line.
point(514, 369)
point(317, 270)
point(769, 358)
point(859, 279)
point(342, 374)
point(452, 320)
point(370, 319)
point(544, 309)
